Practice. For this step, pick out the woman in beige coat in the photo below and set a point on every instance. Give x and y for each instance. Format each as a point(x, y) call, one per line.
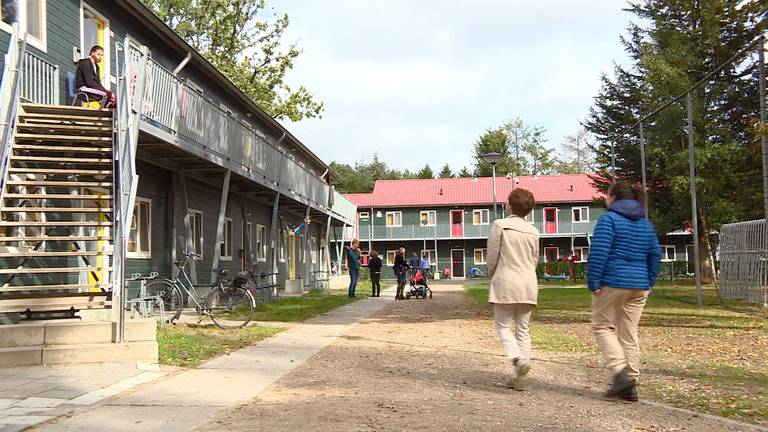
point(513, 252)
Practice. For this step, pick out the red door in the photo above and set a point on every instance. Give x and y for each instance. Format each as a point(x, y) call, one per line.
point(550, 220)
point(457, 223)
point(457, 263)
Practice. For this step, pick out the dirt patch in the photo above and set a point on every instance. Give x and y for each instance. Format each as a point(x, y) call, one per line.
point(432, 365)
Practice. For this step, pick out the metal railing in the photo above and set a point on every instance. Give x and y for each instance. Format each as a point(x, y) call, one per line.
point(467, 230)
point(39, 80)
point(9, 100)
point(343, 207)
point(744, 261)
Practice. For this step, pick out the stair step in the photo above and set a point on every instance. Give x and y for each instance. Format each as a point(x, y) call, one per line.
point(53, 270)
point(93, 300)
point(58, 197)
point(62, 138)
point(53, 183)
point(15, 288)
point(59, 171)
point(61, 159)
point(52, 238)
point(57, 209)
point(37, 118)
point(61, 148)
point(37, 254)
point(56, 223)
point(64, 129)
point(66, 110)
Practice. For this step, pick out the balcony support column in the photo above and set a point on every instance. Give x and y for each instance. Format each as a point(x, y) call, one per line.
point(273, 233)
point(307, 261)
point(220, 227)
point(188, 227)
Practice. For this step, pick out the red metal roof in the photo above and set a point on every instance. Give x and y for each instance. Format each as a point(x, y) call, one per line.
point(476, 191)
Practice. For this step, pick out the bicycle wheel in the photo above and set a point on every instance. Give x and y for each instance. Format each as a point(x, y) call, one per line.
point(231, 307)
point(169, 294)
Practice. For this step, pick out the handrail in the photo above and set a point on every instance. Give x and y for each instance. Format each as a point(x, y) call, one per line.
point(39, 80)
point(9, 101)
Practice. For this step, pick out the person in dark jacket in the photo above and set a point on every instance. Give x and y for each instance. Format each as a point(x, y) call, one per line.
point(87, 78)
point(374, 268)
point(623, 265)
point(353, 264)
point(414, 262)
point(400, 268)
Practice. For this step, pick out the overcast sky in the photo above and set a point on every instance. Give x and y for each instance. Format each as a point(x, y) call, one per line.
point(419, 80)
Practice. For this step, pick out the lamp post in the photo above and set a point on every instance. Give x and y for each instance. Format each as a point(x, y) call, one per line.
point(424, 223)
point(493, 158)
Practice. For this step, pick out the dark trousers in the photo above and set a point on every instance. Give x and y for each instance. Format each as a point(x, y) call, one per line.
point(375, 284)
point(353, 275)
point(400, 285)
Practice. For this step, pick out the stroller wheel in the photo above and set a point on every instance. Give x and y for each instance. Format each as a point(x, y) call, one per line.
point(430, 293)
point(407, 295)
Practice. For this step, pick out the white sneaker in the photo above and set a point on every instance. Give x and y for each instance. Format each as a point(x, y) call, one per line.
point(522, 367)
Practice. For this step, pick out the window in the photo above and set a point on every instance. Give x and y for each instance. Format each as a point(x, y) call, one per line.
point(391, 257)
point(248, 241)
point(430, 256)
point(281, 245)
point(480, 217)
point(394, 219)
point(428, 218)
point(261, 243)
point(313, 249)
point(668, 253)
point(582, 254)
point(139, 238)
point(580, 214)
point(196, 219)
point(31, 17)
point(226, 243)
point(480, 256)
point(529, 217)
point(364, 215)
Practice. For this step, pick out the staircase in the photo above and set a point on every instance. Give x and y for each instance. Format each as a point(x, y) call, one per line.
point(57, 213)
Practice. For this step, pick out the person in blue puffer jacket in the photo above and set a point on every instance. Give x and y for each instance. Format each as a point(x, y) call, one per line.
point(623, 264)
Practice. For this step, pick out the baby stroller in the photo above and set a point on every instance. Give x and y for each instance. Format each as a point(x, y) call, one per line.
point(475, 273)
point(419, 286)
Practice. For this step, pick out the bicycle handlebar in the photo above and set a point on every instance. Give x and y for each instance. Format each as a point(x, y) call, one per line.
point(194, 256)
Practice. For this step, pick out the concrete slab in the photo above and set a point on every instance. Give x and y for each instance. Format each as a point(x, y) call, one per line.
point(111, 418)
point(21, 356)
point(21, 335)
point(26, 420)
point(40, 402)
point(22, 411)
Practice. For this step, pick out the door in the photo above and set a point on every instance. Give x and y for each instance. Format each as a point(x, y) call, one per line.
point(551, 254)
point(457, 263)
point(550, 220)
point(292, 258)
point(95, 31)
point(457, 223)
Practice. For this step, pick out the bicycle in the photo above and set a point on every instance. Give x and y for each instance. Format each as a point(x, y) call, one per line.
point(228, 306)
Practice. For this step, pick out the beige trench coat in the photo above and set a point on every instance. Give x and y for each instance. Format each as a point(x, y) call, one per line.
point(513, 252)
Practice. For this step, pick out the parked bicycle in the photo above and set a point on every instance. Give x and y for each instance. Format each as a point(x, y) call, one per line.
point(228, 306)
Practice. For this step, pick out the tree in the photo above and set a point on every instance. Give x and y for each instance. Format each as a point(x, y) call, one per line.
point(678, 45)
point(578, 154)
point(539, 157)
point(522, 147)
point(425, 172)
point(492, 140)
point(445, 172)
point(237, 38)
point(464, 173)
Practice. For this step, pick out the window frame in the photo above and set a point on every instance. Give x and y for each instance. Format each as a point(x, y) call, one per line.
point(581, 249)
point(429, 213)
point(21, 19)
point(665, 257)
point(430, 255)
point(582, 210)
point(480, 212)
point(281, 245)
point(484, 255)
point(313, 249)
point(193, 215)
point(139, 253)
point(393, 253)
point(394, 213)
point(531, 217)
point(226, 240)
point(364, 215)
point(261, 246)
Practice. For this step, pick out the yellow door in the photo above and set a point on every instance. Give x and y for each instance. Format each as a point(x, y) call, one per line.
point(95, 32)
point(292, 248)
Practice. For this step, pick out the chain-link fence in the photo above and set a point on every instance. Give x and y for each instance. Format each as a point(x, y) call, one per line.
point(744, 261)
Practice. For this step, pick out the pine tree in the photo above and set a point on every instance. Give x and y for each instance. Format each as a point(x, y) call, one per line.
point(445, 172)
point(425, 173)
point(464, 173)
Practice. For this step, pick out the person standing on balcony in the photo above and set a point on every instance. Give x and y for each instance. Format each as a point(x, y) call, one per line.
point(400, 268)
point(374, 267)
point(623, 264)
point(87, 78)
point(513, 252)
point(353, 264)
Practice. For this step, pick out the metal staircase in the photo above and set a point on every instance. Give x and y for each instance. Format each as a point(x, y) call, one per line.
point(56, 232)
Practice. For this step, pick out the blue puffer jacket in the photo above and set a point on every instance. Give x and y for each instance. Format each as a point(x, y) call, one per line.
point(625, 251)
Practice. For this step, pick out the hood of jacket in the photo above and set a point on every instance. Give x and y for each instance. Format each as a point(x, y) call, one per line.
point(629, 208)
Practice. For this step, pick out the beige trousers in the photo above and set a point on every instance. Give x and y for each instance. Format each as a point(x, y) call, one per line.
point(615, 318)
point(519, 345)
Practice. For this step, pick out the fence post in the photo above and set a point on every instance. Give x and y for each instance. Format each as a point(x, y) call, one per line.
point(642, 168)
point(694, 206)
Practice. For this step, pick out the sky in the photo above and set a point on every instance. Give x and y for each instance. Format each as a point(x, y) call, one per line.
point(418, 81)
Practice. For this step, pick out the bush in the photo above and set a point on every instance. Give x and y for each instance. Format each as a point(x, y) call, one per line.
point(559, 267)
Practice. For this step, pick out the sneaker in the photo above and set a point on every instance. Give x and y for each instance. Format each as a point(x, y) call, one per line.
point(621, 382)
point(629, 395)
point(522, 367)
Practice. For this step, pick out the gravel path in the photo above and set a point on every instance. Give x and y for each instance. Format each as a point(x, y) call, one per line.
point(431, 365)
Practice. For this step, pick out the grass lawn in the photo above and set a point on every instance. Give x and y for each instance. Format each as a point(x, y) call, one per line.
point(712, 359)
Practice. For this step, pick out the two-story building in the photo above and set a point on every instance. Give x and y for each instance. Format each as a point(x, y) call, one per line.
point(449, 219)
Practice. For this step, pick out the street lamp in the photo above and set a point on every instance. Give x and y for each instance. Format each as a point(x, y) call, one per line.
point(424, 223)
point(493, 158)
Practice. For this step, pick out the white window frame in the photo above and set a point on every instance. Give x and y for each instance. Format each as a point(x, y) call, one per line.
point(557, 257)
point(430, 255)
point(281, 245)
point(226, 240)
point(531, 217)
point(581, 250)
point(431, 217)
point(393, 254)
point(139, 253)
point(484, 253)
point(364, 215)
point(583, 210)
point(313, 249)
point(261, 243)
point(395, 215)
point(481, 212)
point(197, 230)
point(665, 256)
point(21, 18)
